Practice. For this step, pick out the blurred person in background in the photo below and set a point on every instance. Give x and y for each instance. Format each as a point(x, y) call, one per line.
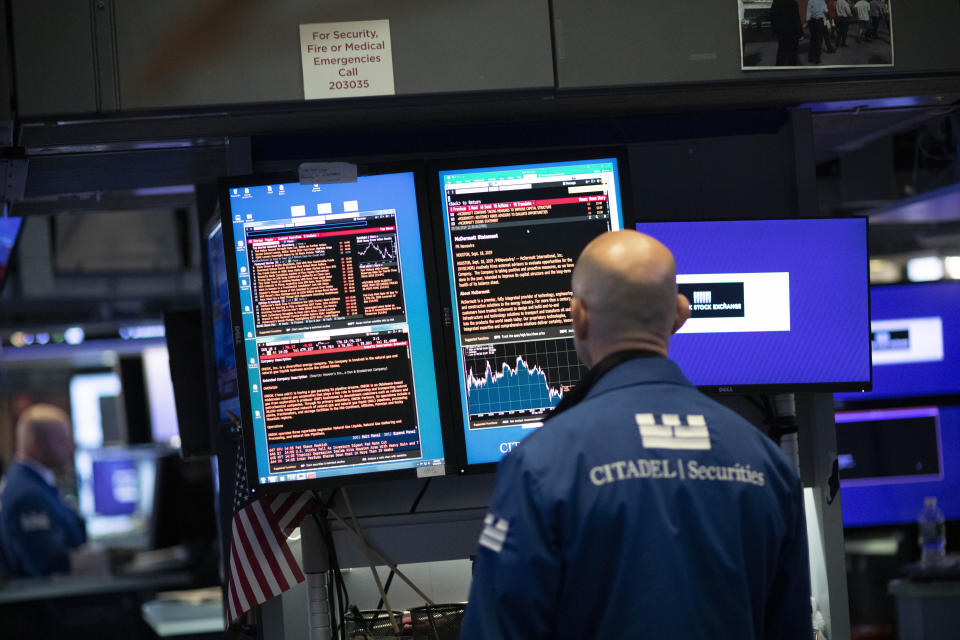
point(844, 17)
point(785, 18)
point(37, 530)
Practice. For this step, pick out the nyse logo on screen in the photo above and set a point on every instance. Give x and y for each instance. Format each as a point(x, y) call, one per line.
point(890, 339)
point(714, 299)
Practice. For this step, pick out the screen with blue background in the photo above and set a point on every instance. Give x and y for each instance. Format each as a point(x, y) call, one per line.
point(916, 341)
point(225, 364)
point(775, 302)
point(512, 234)
point(333, 210)
point(9, 230)
point(882, 500)
point(116, 487)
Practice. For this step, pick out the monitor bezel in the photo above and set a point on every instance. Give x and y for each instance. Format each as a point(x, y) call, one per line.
point(433, 312)
point(800, 387)
point(488, 160)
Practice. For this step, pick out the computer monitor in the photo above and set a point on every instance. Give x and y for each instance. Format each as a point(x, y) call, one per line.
point(9, 232)
point(95, 409)
point(890, 459)
point(775, 304)
point(915, 331)
point(183, 486)
point(184, 335)
point(225, 399)
point(164, 428)
point(116, 493)
point(512, 233)
point(329, 294)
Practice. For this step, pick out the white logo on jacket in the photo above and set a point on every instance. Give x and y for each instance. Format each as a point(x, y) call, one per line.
point(494, 532)
point(670, 432)
point(35, 521)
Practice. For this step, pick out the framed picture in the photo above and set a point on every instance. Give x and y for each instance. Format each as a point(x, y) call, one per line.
point(811, 34)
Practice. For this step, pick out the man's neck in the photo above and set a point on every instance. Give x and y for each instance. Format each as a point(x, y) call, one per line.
point(640, 344)
point(42, 470)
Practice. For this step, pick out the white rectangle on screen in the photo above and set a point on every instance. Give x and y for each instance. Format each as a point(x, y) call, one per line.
point(907, 340)
point(298, 210)
point(766, 303)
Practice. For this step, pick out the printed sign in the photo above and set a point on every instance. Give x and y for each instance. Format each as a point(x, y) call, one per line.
point(346, 59)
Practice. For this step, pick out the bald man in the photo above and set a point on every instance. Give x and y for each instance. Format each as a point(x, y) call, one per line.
point(37, 530)
point(642, 508)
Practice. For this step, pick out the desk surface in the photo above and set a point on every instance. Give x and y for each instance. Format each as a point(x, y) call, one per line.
point(933, 589)
point(173, 618)
point(27, 589)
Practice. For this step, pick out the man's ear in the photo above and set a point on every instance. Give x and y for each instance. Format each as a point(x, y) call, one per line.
point(683, 312)
point(580, 317)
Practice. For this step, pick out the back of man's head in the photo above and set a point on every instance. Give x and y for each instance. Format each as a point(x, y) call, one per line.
point(626, 283)
point(43, 435)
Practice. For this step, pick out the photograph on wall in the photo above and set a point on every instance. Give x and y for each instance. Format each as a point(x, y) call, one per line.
point(811, 34)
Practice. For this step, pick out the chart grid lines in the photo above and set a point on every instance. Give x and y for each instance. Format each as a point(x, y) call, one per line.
point(513, 377)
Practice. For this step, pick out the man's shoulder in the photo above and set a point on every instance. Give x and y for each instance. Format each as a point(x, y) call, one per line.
point(21, 488)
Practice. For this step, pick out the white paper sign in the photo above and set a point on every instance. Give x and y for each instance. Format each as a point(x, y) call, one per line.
point(346, 59)
point(327, 172)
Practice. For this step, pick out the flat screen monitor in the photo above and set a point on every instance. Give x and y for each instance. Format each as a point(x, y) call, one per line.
point(184, 336)
point(164, 428)
point(890, 459)
point(226, 395)
point(915, 336)
point(329, 290)
point(9, 231)
point(512, 235)
point(95, 409)
point(775, 304)
point(115, 494)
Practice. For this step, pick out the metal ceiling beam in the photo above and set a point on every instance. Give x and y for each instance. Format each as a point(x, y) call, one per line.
point(51, 175)
point(38, 136)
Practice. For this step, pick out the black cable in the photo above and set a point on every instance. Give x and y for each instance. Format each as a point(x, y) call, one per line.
point(758, 405)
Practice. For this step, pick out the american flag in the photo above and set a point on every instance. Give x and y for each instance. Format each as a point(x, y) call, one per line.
point(261, 563)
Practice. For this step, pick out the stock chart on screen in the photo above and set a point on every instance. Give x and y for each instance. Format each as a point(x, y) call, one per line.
point(512, 236)
point(336, 328)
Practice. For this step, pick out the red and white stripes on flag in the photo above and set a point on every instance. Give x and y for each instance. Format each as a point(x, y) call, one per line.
point(261, 563)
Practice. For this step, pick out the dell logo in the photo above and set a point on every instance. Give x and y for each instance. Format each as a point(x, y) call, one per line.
point(702, 297)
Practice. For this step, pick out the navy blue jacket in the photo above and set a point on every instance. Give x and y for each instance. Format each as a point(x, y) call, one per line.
point(37, 530)
point(647, 510)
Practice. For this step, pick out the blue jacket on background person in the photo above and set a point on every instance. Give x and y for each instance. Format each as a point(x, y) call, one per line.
point(37, 530)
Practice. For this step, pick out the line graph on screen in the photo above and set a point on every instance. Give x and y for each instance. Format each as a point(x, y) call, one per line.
point(519, 376)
